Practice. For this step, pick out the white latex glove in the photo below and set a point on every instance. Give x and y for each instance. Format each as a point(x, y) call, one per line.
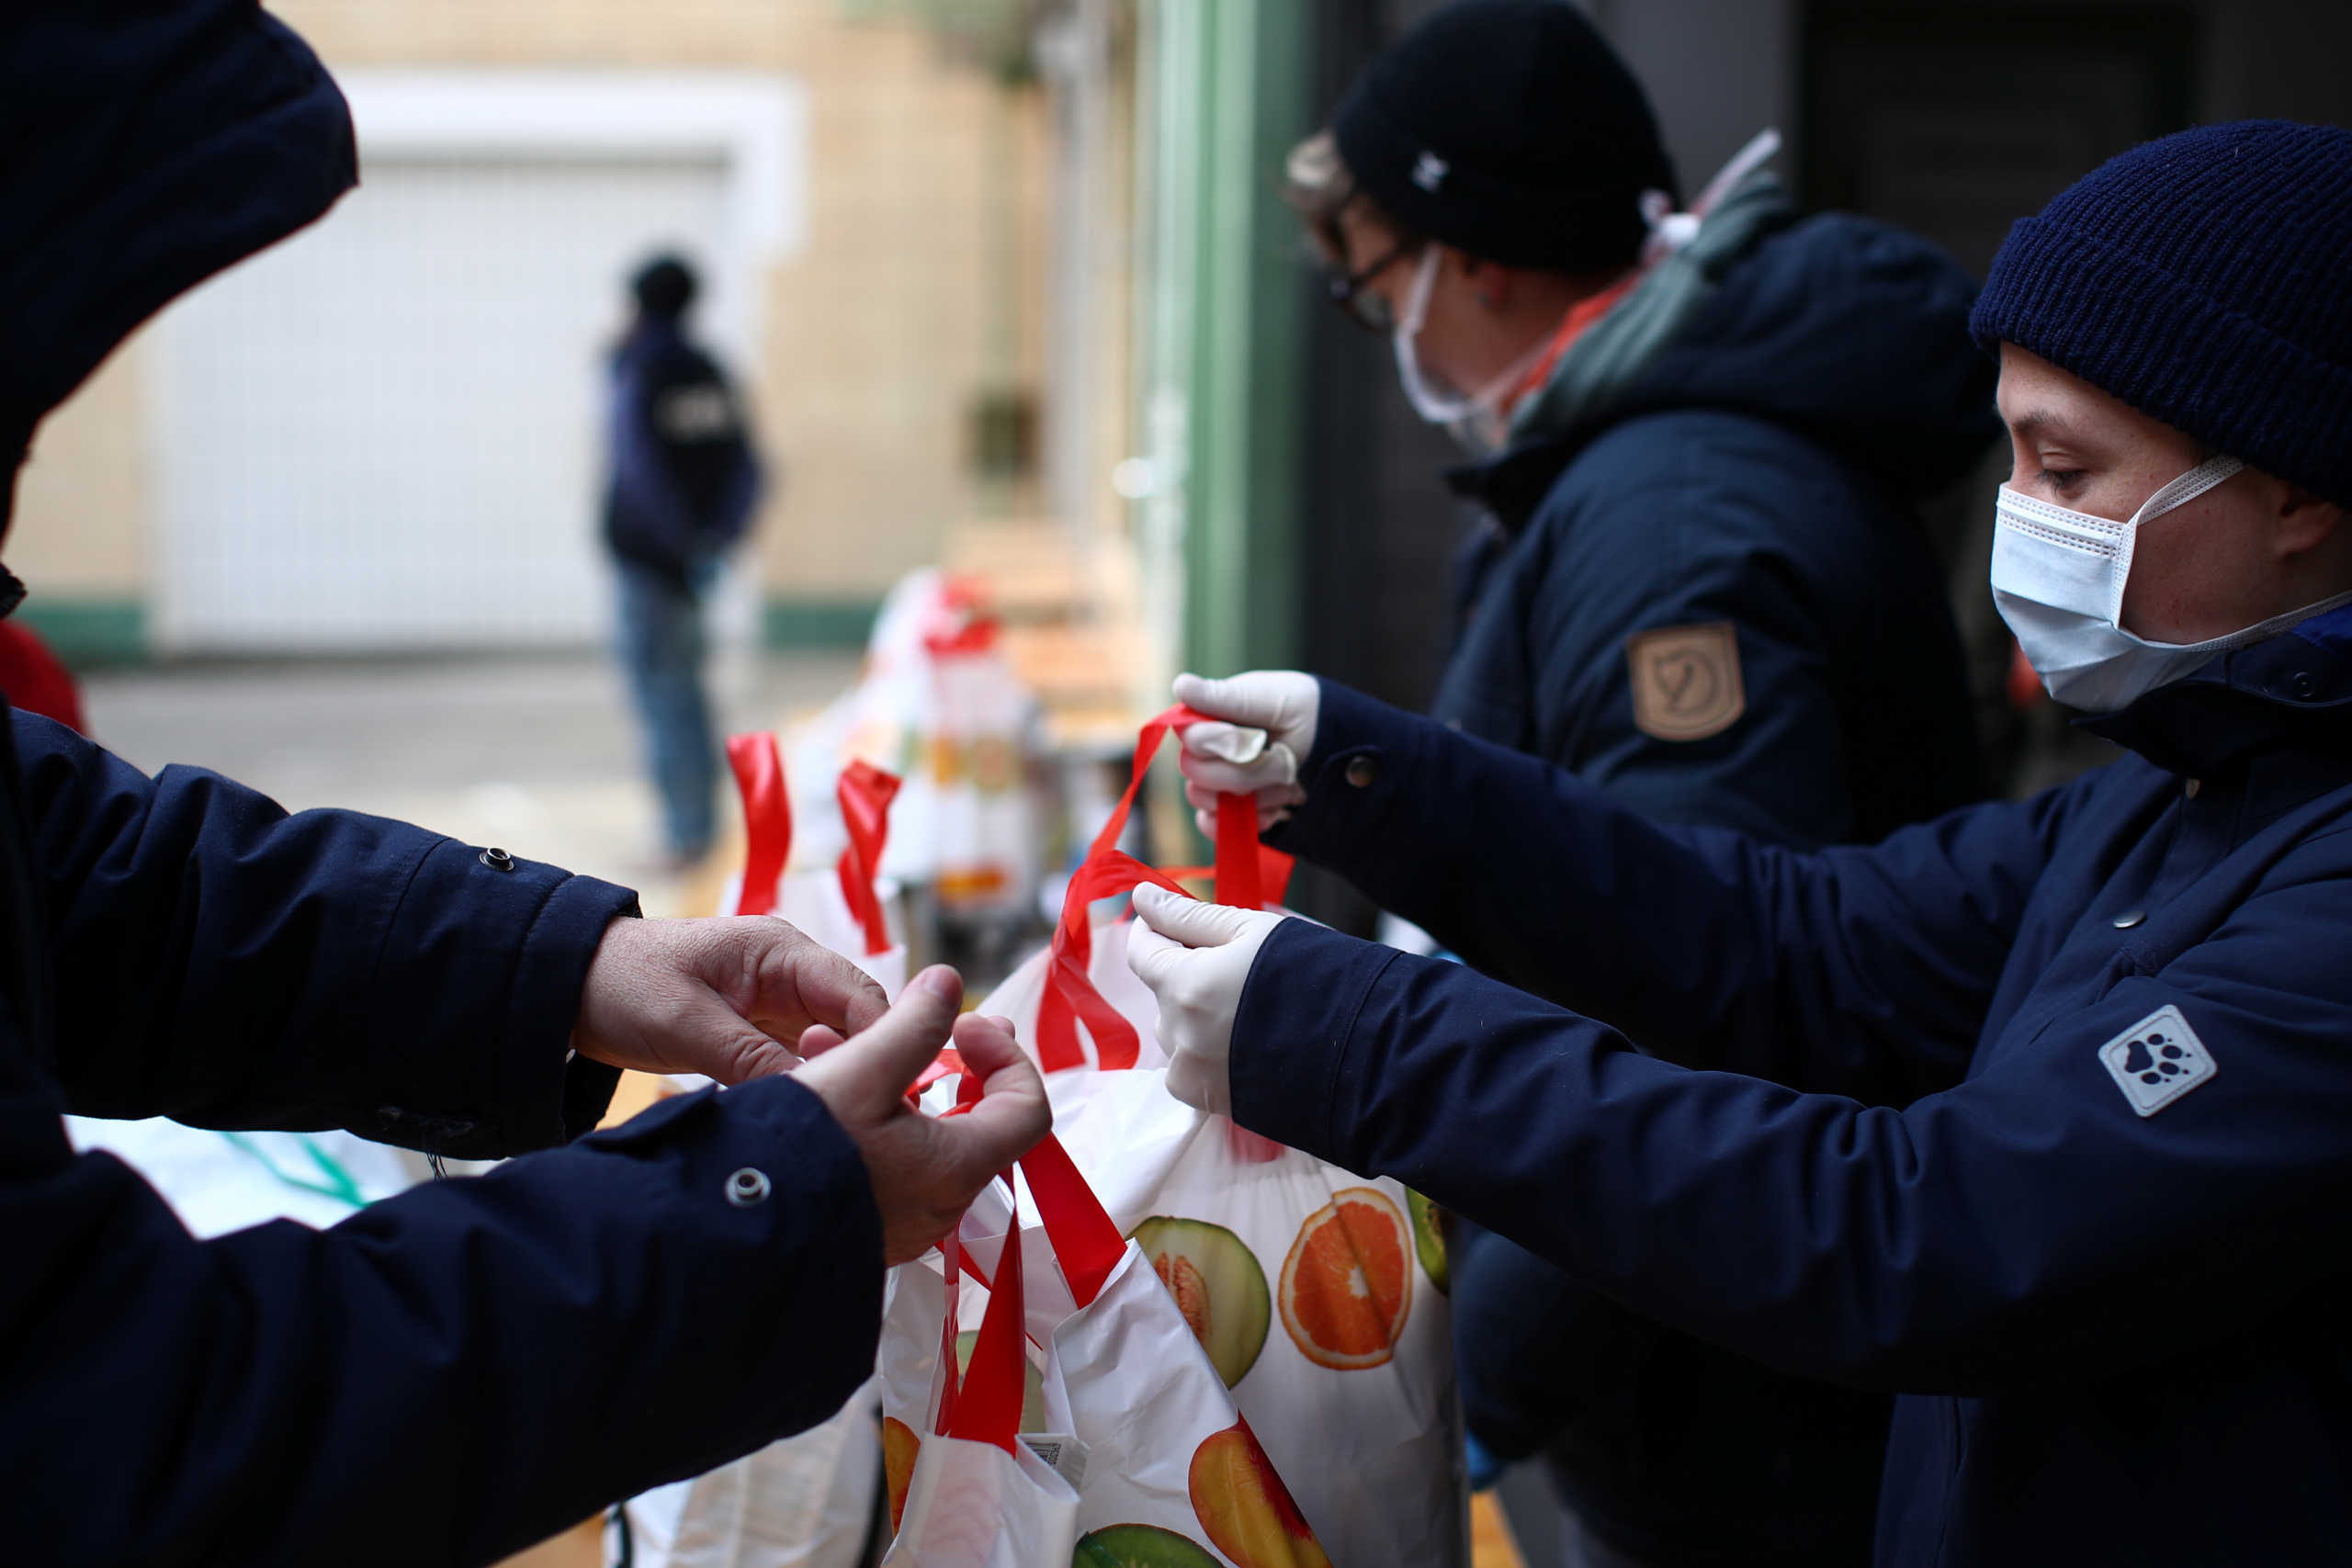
point(1197, 957)
point(1262, 734)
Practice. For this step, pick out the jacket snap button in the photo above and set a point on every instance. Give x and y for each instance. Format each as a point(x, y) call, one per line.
point(2302, 684)
point(2192, 787)
point(1362, 771)
point(2129, 918)
point(496, 859)
point(747, 1187)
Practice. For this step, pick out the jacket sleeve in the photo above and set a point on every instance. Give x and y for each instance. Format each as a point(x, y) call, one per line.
point(1858, 971)
point(1607, 612)
point(445, 1377)
point(225, 964)
point(2026, 1225)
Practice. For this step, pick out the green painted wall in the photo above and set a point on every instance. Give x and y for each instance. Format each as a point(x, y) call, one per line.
point(812, 624)
point(89, 634)
point(1229, 96)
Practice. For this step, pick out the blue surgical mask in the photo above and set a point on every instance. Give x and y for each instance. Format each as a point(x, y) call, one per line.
point(2058, 577)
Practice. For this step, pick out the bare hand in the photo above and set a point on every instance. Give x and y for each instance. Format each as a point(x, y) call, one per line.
point(927, 1170)
point(720, 996)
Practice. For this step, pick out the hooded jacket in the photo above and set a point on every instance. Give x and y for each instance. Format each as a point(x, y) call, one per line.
point(682, 477)
point(2033, 1114)
point(449, 1374)
point(1742, 441)
point(1735, 447)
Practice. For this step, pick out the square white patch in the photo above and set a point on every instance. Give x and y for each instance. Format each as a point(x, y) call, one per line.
point(2158, 1060)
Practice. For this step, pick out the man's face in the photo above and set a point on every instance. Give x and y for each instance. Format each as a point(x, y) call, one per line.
point(1367, 243)
point(2217, 565)
point(1458, 343)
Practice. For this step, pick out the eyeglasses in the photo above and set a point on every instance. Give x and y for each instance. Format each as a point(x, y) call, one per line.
point(1364, 306)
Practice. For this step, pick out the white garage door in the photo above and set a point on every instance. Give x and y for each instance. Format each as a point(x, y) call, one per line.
point(385, 432)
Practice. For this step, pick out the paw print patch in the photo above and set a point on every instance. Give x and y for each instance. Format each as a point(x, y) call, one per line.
point(2158, 1060)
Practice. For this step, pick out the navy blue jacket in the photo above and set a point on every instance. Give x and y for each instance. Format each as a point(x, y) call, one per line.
point(683, 476)
point(1877, 1137)
point(456, 1371)
point(1759, 473)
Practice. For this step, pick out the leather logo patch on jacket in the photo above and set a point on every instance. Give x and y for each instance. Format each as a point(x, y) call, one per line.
point(1686, 681)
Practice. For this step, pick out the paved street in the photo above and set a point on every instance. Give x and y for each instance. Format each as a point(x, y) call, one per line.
point(538, 754)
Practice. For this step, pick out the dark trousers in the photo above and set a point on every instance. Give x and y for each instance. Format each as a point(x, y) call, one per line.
point(661, 652)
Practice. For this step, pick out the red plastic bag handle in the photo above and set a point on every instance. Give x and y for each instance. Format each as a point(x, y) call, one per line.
point(767, 818)
point(865, 793)
point(988, 1408)
point(1245, 871)
point(951, 1248)
point(959, 622)
point(1086, 1244)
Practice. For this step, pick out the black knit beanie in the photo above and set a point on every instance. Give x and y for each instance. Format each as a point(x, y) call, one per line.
point(665, 286)
point(1509, 129)
point(2205, 280)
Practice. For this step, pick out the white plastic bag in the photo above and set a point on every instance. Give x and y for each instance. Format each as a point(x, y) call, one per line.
point(847, 905)
point(1134, 1416)
point(217, 1182)
point(940, 706)
point(1317, 1294)
point(806, 1501)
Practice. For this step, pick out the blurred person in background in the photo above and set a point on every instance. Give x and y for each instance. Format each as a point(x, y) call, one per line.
point(683, 480)
point(1699, 439)
point(472, 1365)
point(2037, 1113)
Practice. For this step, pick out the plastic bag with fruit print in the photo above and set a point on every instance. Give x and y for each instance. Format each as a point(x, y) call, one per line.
point(1082, 1366)
point(1318, 1294)
point(970, 1493)
point(806, 1501)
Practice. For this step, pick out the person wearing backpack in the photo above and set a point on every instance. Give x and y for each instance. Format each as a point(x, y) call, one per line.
point(682, 480)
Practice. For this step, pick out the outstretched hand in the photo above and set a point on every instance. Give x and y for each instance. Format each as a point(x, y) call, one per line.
point(1196, 959)
point(926, 1169)
point(722, 997)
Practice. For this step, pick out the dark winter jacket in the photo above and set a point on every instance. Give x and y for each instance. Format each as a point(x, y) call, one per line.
point(1730, 463)
point(455, 1371)
point(1757, 469)
point(683, 478)
point(2036, 1114)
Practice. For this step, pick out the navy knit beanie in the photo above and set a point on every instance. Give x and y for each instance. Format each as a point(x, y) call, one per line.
point(1511, 129)
point(2205, 280)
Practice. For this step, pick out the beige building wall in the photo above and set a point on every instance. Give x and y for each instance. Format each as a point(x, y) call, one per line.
point(918, 285)
point(82, 501)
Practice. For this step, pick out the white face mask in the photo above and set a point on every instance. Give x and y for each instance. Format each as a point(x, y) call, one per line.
point(2058, 577)
point(1476, 417)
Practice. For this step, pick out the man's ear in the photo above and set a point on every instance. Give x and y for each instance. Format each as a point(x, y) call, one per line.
point(1492, 280)
point(2304, 521)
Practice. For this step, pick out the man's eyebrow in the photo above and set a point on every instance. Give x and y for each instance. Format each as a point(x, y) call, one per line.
point(2040, 421)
